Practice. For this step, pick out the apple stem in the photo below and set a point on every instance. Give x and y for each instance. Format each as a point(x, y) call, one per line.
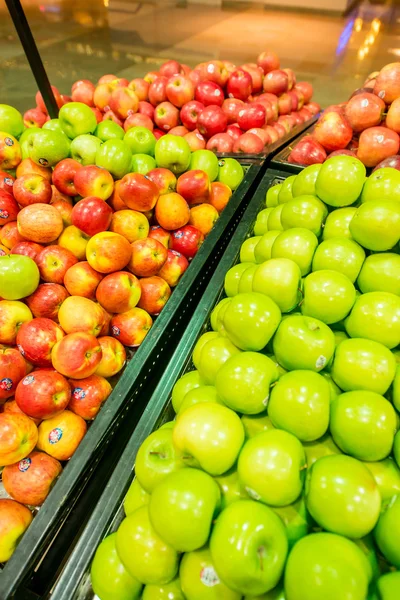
point(261, 553)
point(160, 454)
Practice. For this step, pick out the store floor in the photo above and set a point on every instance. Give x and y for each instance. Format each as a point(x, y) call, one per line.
point(87, 39)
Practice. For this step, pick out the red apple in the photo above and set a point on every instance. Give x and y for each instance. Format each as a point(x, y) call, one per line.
point(166, 116)
point(155, 294)
point(83, 91)
point(138, 192)
point(65, 210)
point(211, 121)
point(209, 93)
point(239, 85)
point(40, 102)
point(179, 130)
point(123, 102)
point(306, 114)
point(220, 142)
point(158, 91)
point(276, 82)
point(118, 292)
point(82, 280)
point(262, 134)
point(110, 115)
point(63, 176)
point(88, 395)
point(291, 76)
point(145, 108)
point(173, 268)
point(187, 240)
point(234, 131)
point(376, 144)
point(108, 78)
point(307, 152)
point(140, 87)
point(152, 76)
point(251, 115)
point(298, 94)
point(148, 256)
point(391, 161)
point(393, 116)
point(333, 131)
point(190, 112)
point(268, 61)
point(194, 186)
point(32, 189)
point(46, 300)
point(387, 85)
point(43, 394)
point(179, 90)
point(138, 120)
point(257, 75)
point(272, 133)
point(162, 235)
point(94, 181)
point(171, 67)
point(53, 262)
point(231, 108)
point(195, 140)
point(342, 152)
point(248, 143)
point(12, 369)
point(8, 208)
point(294, 104)
point(158, 133)
point(6, 182)
point(35, 340)
point(217, 72)
point(30, 249)
point(34, 117)
point(364, 110)
point(305, 88)
point(97, 113)
point(92, 215)
point(313, 107)
point(273, 101)
point(164, 179)
point(131, 327)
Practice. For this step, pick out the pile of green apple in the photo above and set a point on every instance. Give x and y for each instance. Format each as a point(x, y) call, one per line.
point(280, 477)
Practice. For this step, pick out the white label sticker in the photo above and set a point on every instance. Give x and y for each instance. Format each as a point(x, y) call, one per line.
point(209, 577)
point(321, 362)
point(253, 494)
point(265, 401)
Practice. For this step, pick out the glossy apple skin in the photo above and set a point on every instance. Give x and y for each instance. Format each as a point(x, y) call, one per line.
point(138, 192)
point(248, 143)
point(376, 144)
point(333, 131)
point(380, 272)
point(43, 394)
point(364, 110)
point(327, 295)
point(46, 300)
point(63, 176)
point(53, 263)
point(60, 435)
point(187, 240)
point(276, 82)
point(307, 152)
point(8, 208)
point(77, 355)
point(240, 531)
point(338, 489)
point(107, 252)
point(93, 181)
point(156, 459)
point(375, 316)
point(113, 357)
point(31, 480)
point(12, 369)
point(92, 215)
point(12, 315)
point(189, 113)
point(36, 338)
point(342, 255)
point(82, 280)
point(325, 565)
point(131, 327)
point(14, 520)
point(18, 437)
point(387, 531)
point(173, 268)
point(212, 120)
point(88, 395)
point(387, 84)
point(209, 92)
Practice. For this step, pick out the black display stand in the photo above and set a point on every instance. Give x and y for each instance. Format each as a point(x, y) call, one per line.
point(32, 54)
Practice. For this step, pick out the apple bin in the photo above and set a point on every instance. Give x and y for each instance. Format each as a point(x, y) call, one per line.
point(319, 467)
point(105, 439)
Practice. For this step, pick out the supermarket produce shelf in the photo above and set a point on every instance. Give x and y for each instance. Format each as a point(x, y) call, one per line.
point(74, 581)
point(55, 528)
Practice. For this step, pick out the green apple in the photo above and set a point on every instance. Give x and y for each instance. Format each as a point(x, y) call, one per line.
point(217, 314)
point(376, 316)
point(254, 424)
point(243, 382)
point(274, 219)
point(23, 140)
point(271, 467)
point(387, 476)
point(327, 296)
point(19, 276)
point(340, 336)
point(325, 446)
point(182, 508)
point(108, 130)
point(247, 249)
point(48, 147)
point(285, 192)
point(109, 577)
point(135, 498)
point(395, 389)
point(140, 140)
point(201, 342)
point(299, 403)
point(166, 591)
point(380, 273)
point(367, 546)
point(279, 279)
point(76, 119)
point(325, 566)
point(342, 496)
point(339, 254)
point(251, 320)
point(249, 547)
point(207, 161)
point(246, 280)
point(261, 225)
point(376, 224)
point(84, 148)
point(277, 593)
point(383, 183)
point(213, 355)
point(296, 519)
point(147, 557)
point(172, 152)
point(297, 244)
point(333, 388)
point(271, 198)
point(303, 343)
point(340, 180)
point(54, 125)
point(231, 490)
point(187, 382)
point(209, 436)
point(115, 156)
point(199, 578)
point(361, 364)
point(156, 458)
point(262, 251)
point(204, 393)
point(389, 586)
point(307, 212)
point(233, 276)
point(337, 223)
point(387, 532)
point(142, 163)
point(304, 184)
point(230, 172)
point(11, 120)
point(363, 425)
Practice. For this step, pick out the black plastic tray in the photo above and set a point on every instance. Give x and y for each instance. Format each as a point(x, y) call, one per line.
point(54, 530)
point(74, 581)
point(280, 160)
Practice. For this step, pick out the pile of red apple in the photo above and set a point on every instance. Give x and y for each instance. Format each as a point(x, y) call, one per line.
point(366, 126)
point(216, 105)
point(279, 477)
